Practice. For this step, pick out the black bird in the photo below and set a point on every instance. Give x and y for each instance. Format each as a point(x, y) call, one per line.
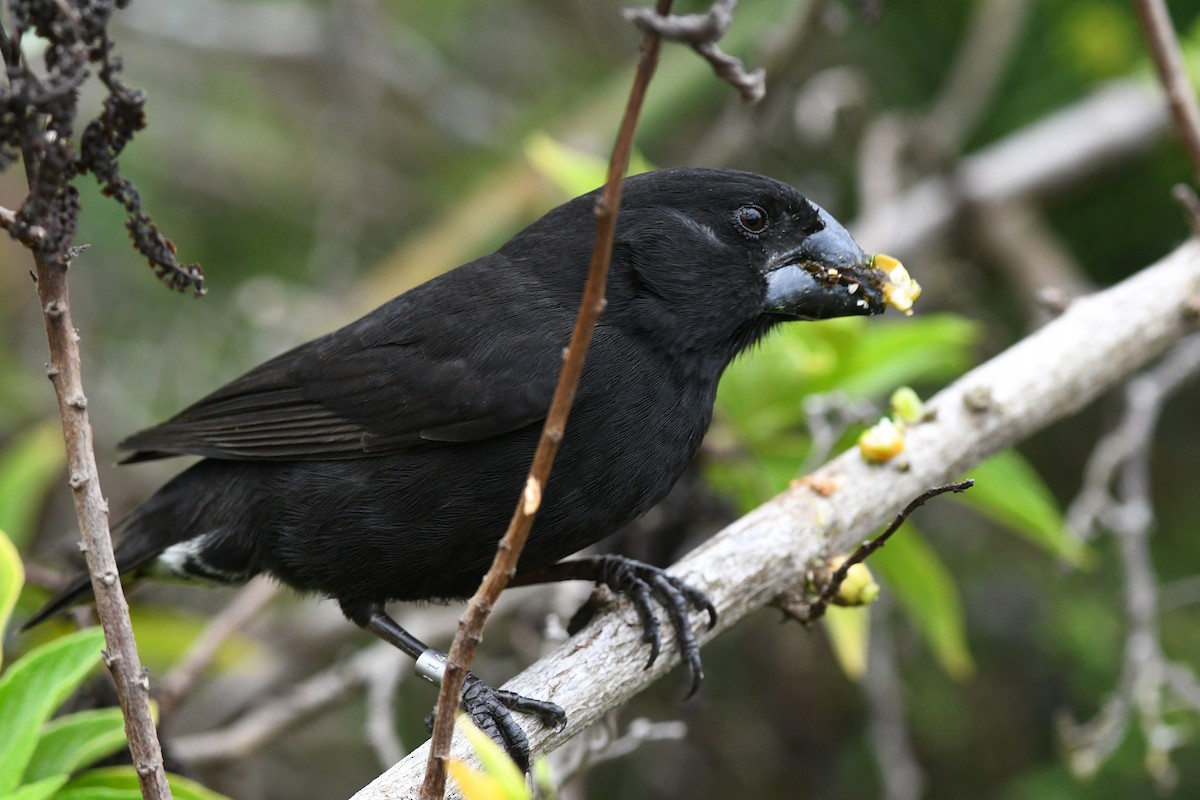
point(381, 462)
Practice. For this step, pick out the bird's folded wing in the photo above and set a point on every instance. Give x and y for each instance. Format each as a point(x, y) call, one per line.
point(370, 389)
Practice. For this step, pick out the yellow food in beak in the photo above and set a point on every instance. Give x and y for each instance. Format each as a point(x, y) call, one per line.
point(900, 291)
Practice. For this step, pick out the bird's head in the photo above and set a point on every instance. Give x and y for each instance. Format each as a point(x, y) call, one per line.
point(727, 254)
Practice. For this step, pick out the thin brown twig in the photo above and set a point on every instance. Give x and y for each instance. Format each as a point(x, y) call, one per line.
point(51, 262)
point(830, 590)
point(1186, 197)
point(1168, 60)
point(702, 32)
point(91, 509)
point(470, 629)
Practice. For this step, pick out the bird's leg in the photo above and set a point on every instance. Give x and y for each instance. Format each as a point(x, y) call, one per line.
point(488, 708)
point(640, 582)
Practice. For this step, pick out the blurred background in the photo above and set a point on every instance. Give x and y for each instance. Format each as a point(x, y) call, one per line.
point(317, 158)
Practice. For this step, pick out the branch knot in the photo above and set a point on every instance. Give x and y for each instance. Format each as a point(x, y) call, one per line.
point(702, 32)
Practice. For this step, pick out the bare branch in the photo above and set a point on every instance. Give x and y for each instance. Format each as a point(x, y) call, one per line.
point(40, 115)
point(830, 590)
point(1114, 124)
point(604, 741)
point(91, 509)
point(1095, 501)
point(300, 702)
point(702, 32)
point(730, 133)
point(896, 144)
point(979, 65)
point(1116, 497)
point(470, 631)
point(1168, 60)
point(180, 680)
point(280, 710)
point(383, 678)
point(887, 727)
point(1046, 275)
point(1096, 343)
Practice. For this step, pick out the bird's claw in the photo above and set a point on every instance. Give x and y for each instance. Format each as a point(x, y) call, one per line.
point(490, 710)
point(643, 583)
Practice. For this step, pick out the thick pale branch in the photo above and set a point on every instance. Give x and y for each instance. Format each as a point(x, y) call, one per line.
point(1096, 343)
point(1117, 122)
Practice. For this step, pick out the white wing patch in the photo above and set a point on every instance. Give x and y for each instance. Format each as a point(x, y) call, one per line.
point(184, 561)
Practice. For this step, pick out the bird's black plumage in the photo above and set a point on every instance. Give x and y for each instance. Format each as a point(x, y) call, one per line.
point(382, 461)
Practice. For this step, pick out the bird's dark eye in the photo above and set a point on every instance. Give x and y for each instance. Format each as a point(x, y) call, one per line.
point(752, 219)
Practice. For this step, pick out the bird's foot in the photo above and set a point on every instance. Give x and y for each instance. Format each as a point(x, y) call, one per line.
point(490, 710)
point(643, 584)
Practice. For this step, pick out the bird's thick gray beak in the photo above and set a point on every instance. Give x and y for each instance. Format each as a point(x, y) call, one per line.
point(829, 276)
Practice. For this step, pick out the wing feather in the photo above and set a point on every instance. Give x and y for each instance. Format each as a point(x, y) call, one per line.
point(429, 366)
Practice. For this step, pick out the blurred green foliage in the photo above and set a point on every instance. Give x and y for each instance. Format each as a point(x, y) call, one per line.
point(48, 759)
point(760, 400)
point(762, 421)
point(28, 466)
point(1011, 492)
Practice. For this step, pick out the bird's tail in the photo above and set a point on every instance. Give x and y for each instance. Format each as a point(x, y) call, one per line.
point(171, 515)
point(182, 510)
point(71, 594)
point(79, 589)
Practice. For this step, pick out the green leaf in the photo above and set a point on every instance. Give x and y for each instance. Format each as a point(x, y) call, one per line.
point(39, 790)
point(763, 393)
point(849, 630)
point(1008, 490)
point(28, 469)
point(545, 787)
point(926, 591)
point(69, 743)
point(12, 578)
point(761, 398)
point(97, 793)
point(473, 784)
point(119, 783)
point(504, 775)
point(30, 691)
point(1099, 42)
point(751, 481)
point(886, 355)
